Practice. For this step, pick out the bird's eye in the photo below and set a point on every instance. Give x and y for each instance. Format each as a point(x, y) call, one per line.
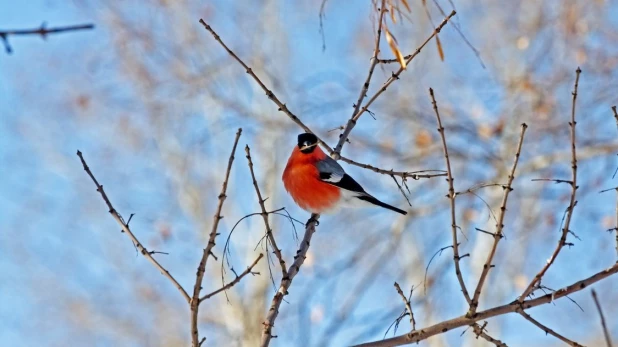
point(306, 143)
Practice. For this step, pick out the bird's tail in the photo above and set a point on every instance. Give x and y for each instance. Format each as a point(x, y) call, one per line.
point(375, 201)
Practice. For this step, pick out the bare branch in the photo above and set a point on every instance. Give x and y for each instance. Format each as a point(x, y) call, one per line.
point(249, 270)
point(406, 302)
point(195, 300)
point(548, 330)
point(269, 231)
point(363, 92)
point(395, 76)
point(480, 331)
point(515, 306)
point(282, 107)
point(43, 31)
point(415, 175)
point(299, 259)
point(451, 196)
point(572, 203)
point(499, 224)
point(608, 339)
point(616, 116)
point(127, 230)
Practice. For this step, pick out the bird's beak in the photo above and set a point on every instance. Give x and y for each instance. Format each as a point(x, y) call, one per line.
point(307, 147)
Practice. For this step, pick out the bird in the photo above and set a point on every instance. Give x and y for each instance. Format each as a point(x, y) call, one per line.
point(318, 184)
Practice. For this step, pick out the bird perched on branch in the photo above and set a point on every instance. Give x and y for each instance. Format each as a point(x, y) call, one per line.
point(318, 184)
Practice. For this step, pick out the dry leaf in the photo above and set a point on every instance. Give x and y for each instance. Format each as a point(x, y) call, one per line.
point(440, 51)
point(405, 3)
point(393, 14)
point(393, 45)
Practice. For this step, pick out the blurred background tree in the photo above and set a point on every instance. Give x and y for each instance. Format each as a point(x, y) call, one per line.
point(154, 103)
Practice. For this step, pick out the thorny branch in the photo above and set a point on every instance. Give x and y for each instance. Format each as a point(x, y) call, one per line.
point(608, 339)
point(269, 231)
point(451, 196)
point(42, 31)
point(299, 259)
point(499, 225)
point(389, 81)
point(406, 302)
point(127, 230)
point(481, 331)
point(363, 93)
point(195, 299)
point(283, 108)
point(548, 330)
point(616, 116)
point(565, 230)
point(515, 306)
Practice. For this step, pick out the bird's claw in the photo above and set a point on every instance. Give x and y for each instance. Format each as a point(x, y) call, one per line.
point(312, 220)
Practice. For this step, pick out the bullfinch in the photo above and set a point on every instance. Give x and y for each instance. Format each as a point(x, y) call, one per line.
point(318, 184)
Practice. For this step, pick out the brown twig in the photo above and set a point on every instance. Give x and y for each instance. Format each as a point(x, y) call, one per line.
point(282, 107)
point(608, 339)
point(43, 31)
point(480, 331)
point(499, 225)
point(572, 202)
point(451, 196)
point(515, 306)
point(389, 81)
point(195, 299)
point(415, 175)
point(616, 116)
point(127, 230)
point(249, 270)
point(269, 231)
point(299, 259)
point(548, 330)
point(406, 302)
point(365, 87)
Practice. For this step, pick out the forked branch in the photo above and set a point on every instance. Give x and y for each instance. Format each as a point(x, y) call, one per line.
point(125, 227)
point(569, 214)
point(451, 195)
point(499, 225)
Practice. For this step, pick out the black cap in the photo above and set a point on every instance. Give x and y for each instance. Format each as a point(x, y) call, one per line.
point(307, 139)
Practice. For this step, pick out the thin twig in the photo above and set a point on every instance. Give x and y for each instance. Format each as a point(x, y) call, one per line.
point(365, 87)
point(572, 202)
point(415, 175)
point(608, 339)
point(127, 230)
point(249, 270)
point(299, 259)
point(195, 299)
point(515, 306)
point(548, 330)
point(480, 331)
point(269, 231)
point(43, 31)
point(555, 180)
point(499, 225)
point(451, 196)
point(282, 107)
point(394, 76)
point(406, 302)
point(616, 116)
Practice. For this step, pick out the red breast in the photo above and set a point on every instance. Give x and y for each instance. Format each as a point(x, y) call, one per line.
point(301, 179)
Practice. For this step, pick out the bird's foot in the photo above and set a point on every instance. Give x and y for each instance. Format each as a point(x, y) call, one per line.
point(312, 220)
